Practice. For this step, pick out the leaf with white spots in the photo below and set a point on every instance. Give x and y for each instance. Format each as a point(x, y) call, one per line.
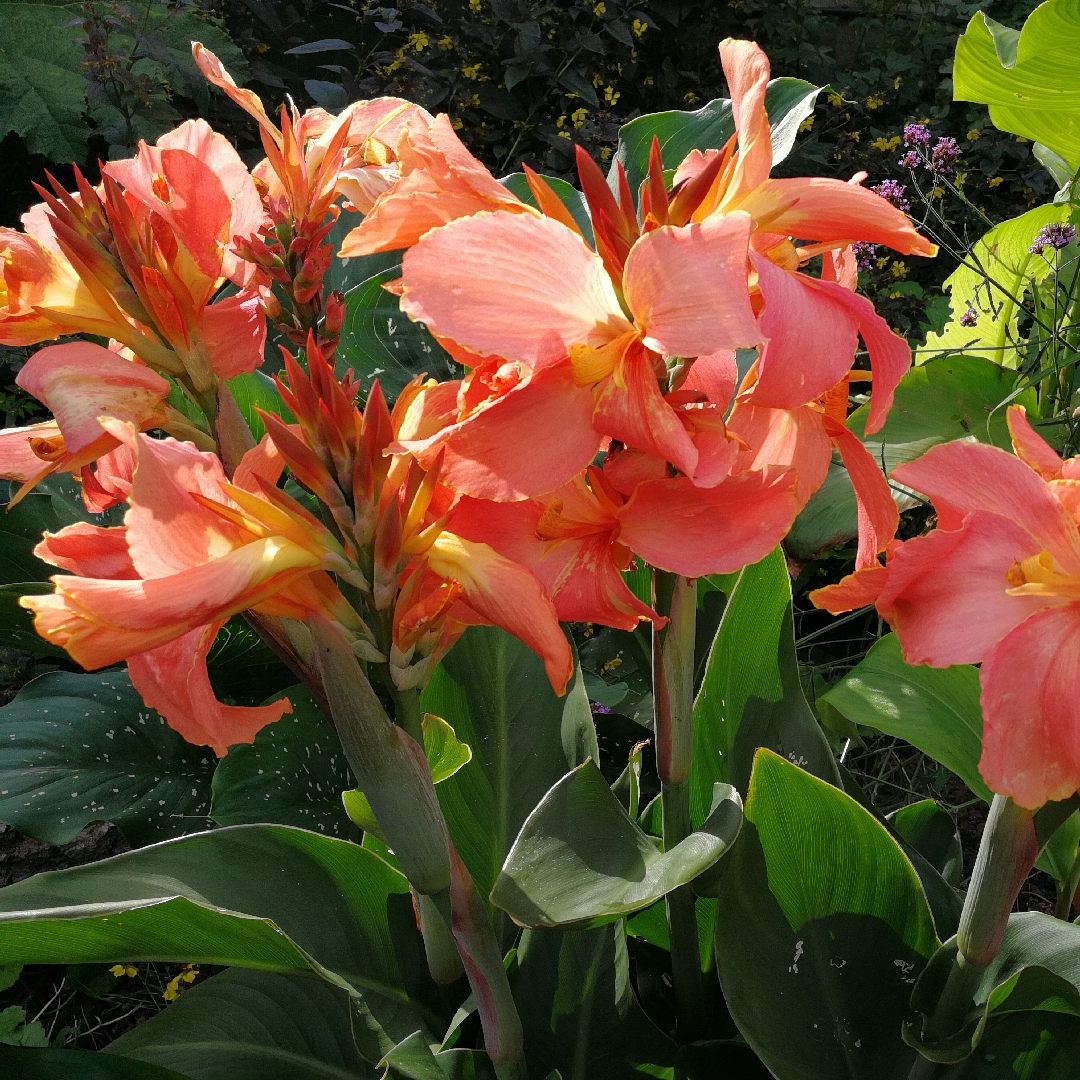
point(293, 774)
point(79, 748)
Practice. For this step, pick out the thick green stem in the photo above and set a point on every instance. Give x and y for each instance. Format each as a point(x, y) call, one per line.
point(1007, 852)
point(408, 714)
point(673, 725)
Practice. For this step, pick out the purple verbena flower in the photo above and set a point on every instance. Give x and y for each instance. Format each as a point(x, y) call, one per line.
point(945, 155)
point(864, 254)
point(970, 317)
point(909, 161)
point(916, 135)
point(1055, 235)
point(596, 707)
point(893, 191)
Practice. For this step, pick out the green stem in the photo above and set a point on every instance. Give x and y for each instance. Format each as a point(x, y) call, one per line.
point(1007, 852)
point(408, 714)
point(673, 724)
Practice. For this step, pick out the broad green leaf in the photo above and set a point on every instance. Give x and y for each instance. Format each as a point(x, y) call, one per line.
point(243, 669)
point(293, 774)
point(345, 274)
point(413, 1059)
point(788, 102)
point(1030, 81)
point(929, 828)
point(77, 1065)
point(571, 198)
point(42, 84)
point(267, 897)
point(379, 341)
point(256, 390)
point(54, 503)
point(578, 1008)
point(750, 695)
point(579, 856)
point(1059, 857)
point(250, 1025)
point(16, 1030)
point(949, 397)
point(935, 709)
point(1024, 1046)
point(1002, 254)
point(82, 748)
point(823, 929)
point(494, 693)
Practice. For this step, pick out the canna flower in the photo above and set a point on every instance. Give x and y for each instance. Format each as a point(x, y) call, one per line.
point(814, 325)
point(997, 583)
point(141, 258)
point(79, 383)
point(425, 584)
point(193, 551)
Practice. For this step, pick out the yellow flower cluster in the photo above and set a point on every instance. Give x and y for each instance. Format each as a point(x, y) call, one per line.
point(124, 969)
point(418, 41)
point(177, 985)
point(807, 124)
point(611, 95)
point(886, 145)
point(639, 27)
point(875, 101)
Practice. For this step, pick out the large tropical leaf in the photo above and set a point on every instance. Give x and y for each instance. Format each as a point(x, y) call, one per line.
point(494, 693)
point(935, 709)
point(82, 748)
point(822, 929)
point(56, 1064)
point(250, 1025)
point(579, 856)
point(1029, 78)
point(750, 695)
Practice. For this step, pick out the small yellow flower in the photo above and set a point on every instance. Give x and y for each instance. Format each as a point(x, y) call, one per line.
point(612, 664)
point(474, 6)
point(176, 985)
point(419, 41)
point(577, 117)
point(735, 4)
point(262, 47)
point(973, 135)
point(446, 42)
point(565, 135)
point(883, 262)
point(994, 181)
point(807, 124)
point(600, 8)
point(855, 135)
point(472, 71)
point(899, 269)
point(938, 192)
point(639, 27)
point(648, 81)
point(597, 81)
point(960, 179)
point(886, 145)
point(611, 95)
point(124, 969)
point(690, 97)
point(561, 122)
point(457, 123)
point(836, 100)
point(875, 101)
point(605, 153)
point(897, 81)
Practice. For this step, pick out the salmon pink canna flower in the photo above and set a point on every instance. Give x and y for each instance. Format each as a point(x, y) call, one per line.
point(192, 552)
point(997, 583)
point(80, 383)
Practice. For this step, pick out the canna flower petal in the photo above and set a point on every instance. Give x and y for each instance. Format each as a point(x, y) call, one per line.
point(630, 408)
point(89, 551)
point(173, 679)
point(879, 517)
point(440, 182)
point(18, 459)
point(214, 71)
point(531, 439)
point(945, 594)
point(746, 68)
point(101, 622)
point(1030, 447)
point(1031, 704)
point(506, 595)
point(715, 375)
point(961, 477)
point(80, 382)
point(821, 208)
point(108, 482)
point(687, 289)
point(811, 338)
point(695, 531)
point(527, 288)
point(853, 591)
point(234, 333)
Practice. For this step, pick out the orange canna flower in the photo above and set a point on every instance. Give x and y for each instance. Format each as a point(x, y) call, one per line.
point(193, 551)
point(997, 583)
